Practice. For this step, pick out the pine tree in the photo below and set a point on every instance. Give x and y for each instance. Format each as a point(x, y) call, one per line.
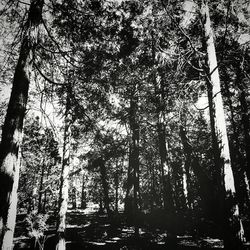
point(13, 125)
point(232, 226)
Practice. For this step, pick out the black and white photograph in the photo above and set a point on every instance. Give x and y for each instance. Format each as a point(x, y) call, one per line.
point(124, 124)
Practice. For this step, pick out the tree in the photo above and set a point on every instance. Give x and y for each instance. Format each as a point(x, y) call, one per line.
point(13, 125)
point(232, 226)
point(64, 182)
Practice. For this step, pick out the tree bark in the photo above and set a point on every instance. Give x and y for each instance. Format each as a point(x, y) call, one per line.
point(233, 232)
point(64, 182)
point(116, 188)
point(11, 220)
point(168, 201)
point(83, 196)
point(105, 185)
point(132, 196)
point(245, 119)
point(40, 192)
point(205, 184)
point(129, 186)
point(239, 165)
point(13, 125)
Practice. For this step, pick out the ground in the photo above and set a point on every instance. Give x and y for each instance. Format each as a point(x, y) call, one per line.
point(88, 229)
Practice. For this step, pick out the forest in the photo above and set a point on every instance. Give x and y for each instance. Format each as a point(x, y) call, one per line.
point(124, 124)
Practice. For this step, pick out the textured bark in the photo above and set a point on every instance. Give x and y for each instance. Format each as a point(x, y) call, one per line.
point(83, 196)
point(129, 185)
point(64, 182)
point(105, 185)
point(165, 168)
point(13, 125)
point(185, 189)
point(11, 220)
point(73, 198)
point(245, 119)
point(40, 192)
point(232, 227)
point(205, 184)
point(132, 195)
point(116, 189)
point(239, 165)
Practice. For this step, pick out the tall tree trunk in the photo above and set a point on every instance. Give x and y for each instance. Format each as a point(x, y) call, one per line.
point(116, 188)
point(205, 184)
point(11, 220)
point(13, 125)
point(244, 118)
point(165, 168)
point(167, 189)
point(232, 226)
point(132, 195)
point(185, 189)
point(129, 186)
point(74, 205)
point(239, 165)
point(40, 192)
point(105, 185)
point(45, 205)
point(188, 159)
point(64, 182)
point(83, 195)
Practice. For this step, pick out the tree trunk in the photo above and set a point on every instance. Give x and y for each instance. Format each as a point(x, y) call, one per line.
point(132, 195)
point(83, 196)
point(105, 185)
point(129, 187)
point(74, 205)
point(45, 205)
point(11, 220)
point(232, 226)
point(13, 125)
point(116, 189)
point(185, 189)
point(64, 184)
point(205, 184)
point(245, 120)
point(165, 169)
point(40, 192)
point(239, 165)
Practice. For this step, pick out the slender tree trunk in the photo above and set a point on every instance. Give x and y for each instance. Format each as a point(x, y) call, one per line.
point(232, 227)
point(165, 169)
point(116, 189)
point(33, 199)
point(11, 220)
point(46, 192)
point(245, 120)
point(74, 197)
point(132, 195)
point(135, 158)
point(129, 187)
point(83, 196)
point(13, 125)
point(160, 93)
point(100, 205)
point(153, 200)
point(64, 184)
point(40, 192)
point(105, 185)
point(239, 165)
point(188, 160)
point(185, 189)
point(206, 192)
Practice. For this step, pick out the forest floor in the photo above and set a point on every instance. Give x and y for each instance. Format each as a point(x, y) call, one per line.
point(88, 229)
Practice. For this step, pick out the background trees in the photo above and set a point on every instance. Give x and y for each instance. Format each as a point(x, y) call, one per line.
point(134, 84)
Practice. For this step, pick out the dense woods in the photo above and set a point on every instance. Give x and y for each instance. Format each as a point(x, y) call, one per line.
point(124, 124)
